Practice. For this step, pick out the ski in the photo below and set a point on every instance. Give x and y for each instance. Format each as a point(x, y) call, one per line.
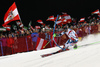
point(46, 55)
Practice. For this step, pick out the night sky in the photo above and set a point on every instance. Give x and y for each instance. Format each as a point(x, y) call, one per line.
point(41, 9)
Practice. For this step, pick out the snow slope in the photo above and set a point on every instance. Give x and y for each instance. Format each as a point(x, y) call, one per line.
point(88, 56)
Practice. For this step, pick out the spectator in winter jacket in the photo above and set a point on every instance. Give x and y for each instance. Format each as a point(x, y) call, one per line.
point(10, 42)
point(99, 27)
point(42, 35)
point(47, 35)
point(4, 44)
point(34, 36)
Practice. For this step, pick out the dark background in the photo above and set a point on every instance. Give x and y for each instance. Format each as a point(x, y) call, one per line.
point(41, 9)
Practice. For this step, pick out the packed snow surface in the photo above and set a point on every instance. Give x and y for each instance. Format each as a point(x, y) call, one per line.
point(87, 56)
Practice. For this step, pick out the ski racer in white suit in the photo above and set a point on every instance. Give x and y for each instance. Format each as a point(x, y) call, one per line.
point(73, 38)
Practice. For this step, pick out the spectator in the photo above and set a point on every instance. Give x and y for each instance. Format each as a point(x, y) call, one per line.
point(42, 34)
point(10, 42)
point(59, 29)
point(15, 46)
point(34, 36)
point(4, 44)
point(30, 31)
point(99, 27)
point(47, 35)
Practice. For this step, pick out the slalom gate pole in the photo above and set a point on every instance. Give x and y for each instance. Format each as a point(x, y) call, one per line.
point(53, 34)
point(55, 25)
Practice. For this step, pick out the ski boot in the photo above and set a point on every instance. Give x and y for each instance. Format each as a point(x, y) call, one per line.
point(75, 46)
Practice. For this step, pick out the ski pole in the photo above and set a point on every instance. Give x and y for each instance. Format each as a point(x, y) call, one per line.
point(50, 40)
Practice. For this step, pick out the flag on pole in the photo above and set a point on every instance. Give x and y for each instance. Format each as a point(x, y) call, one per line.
point(30, 25)
point(20, 24)
point(64, 21)
point(40, 21)
point(96, 12)
point(3, 29)
point(82, 20)
point(99, 14)
point(59, 18)
point(59, 22)
point(8, 27)
point(50, 18)
point(67, 17)
point(40, 43)
point(47, 27)
point(11, 15)
point(37, 27)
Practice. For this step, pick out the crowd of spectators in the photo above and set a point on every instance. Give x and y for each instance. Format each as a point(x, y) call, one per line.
point(82, 29)
point(74, 25)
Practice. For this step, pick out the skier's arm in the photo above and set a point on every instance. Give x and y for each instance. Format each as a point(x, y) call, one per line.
point(61, 33)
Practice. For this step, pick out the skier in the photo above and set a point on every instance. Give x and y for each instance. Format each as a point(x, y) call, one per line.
point(73, 38)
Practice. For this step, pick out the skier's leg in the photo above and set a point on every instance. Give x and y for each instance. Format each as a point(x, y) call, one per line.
point(70, 44)
point(67, 44)
point(74, 43)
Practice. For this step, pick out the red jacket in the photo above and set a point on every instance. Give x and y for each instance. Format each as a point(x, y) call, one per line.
point(10, 42)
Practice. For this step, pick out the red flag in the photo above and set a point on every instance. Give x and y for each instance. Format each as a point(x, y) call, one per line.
point(8, 27)
point(99, 14)
point(37, 27)
point(47, 27)
point(82, 20)
point(32, 28)
point(40, 43)
point(59, 22)
point(20, 24)
point(50, 18)
point(96, 12)
point(67, 17)
point(11, 14)
point(59, 18)
point(64, 21)
point(40, 21)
